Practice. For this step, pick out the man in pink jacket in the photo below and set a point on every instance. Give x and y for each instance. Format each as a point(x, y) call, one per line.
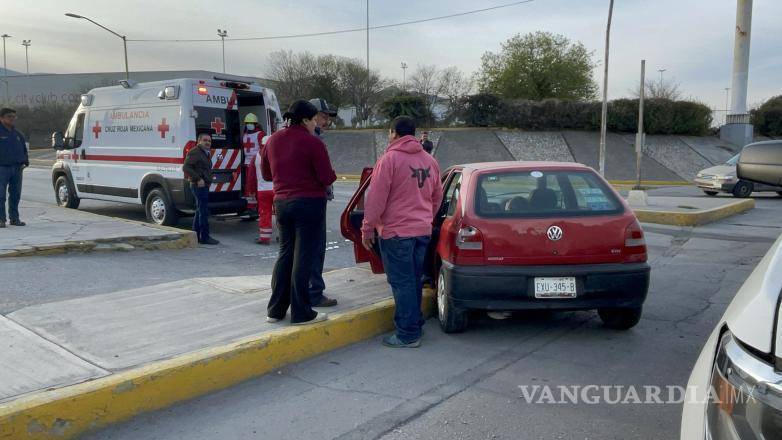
point(400, 205)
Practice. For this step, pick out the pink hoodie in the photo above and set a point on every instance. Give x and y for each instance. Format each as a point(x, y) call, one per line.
point(405, 192)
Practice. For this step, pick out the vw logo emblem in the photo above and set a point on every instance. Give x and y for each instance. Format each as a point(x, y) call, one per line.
point(554, 233)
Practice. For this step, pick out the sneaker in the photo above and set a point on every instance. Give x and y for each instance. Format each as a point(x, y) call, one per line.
point(271, 320)
point(325, 301)
point(17, 223)
point(318, 318)
point(394, 342)
point(209, 241)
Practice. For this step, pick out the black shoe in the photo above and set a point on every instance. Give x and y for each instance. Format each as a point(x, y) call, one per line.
point(209, 241)
point(2, 224)
point(17, 223)
point(325, 301)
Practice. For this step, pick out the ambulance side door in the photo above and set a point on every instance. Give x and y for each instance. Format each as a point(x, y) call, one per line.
point(73, 154)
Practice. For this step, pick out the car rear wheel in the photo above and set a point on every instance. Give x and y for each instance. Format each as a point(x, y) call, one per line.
point(620, 318)
point(742, 189)
point(159, 208)
point(64, 193)
point(452, 319)
point(711, 193)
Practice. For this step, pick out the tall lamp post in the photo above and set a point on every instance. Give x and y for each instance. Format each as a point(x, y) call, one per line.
point(604, 111)
point(404, 77)
point(26, 44)
point(661, 76)
point(222, 33)
point(5, 69)
point(124, 39)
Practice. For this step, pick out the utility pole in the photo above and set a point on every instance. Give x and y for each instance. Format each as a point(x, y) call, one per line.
point(727, 100)
point(661, 77)
point(639, 138)
point(604, 112)
point(5, 69)
point(404, 78)
point(222, 34)
point(26, 44)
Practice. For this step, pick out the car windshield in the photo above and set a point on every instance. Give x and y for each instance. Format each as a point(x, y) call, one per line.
point(733, 160)
point(544, 194)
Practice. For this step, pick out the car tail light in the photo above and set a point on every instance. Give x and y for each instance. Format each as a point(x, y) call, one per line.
point(469, 238)
point(635, 244)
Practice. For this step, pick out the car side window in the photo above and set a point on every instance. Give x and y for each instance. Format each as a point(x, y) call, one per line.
point(452, 193)
point(75, 133)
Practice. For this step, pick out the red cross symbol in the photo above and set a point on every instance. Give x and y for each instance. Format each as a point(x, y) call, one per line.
point(163, 128)
point(96, 129)
point(218, 126)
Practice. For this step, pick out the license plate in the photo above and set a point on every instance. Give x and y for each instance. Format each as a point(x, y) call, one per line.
point(221, 177)
point(555, 287)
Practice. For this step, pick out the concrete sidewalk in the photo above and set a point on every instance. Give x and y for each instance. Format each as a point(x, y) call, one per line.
point(51, 229)
point(75, 365)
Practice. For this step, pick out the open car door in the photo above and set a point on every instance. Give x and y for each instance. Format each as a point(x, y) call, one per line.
point(351, 221)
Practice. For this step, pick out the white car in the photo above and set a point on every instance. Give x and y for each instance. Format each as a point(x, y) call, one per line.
point(735, 389)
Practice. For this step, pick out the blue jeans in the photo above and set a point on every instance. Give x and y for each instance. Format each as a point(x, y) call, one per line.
point(403, 259)
point(11, 181)
point(201, 217)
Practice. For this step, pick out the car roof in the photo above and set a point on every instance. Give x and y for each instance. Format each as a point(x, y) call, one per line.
point(522, 166)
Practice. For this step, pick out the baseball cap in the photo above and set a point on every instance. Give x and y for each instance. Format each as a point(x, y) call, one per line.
point(323, 106)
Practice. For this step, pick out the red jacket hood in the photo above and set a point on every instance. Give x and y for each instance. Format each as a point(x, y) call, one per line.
point(406, 144)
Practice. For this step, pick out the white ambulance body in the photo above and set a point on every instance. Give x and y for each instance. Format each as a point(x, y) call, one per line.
point(128, 143)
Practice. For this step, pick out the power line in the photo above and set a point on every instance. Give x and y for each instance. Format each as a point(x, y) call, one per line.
point(342, 31)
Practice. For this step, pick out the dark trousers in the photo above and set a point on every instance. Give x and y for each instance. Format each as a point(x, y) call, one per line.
point(300, 223)
point(403, 260)
point(10, 182)
point(317, 285)
point(201, 217)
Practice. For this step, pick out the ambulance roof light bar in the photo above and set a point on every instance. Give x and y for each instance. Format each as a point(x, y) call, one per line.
point(236, 79)
point(128, 83)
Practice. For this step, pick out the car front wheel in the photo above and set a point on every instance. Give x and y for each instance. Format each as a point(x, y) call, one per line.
point(64, 193)
point(452, 319)
point(620, 318)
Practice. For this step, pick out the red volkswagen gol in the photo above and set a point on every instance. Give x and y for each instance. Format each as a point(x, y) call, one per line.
point(527, 235)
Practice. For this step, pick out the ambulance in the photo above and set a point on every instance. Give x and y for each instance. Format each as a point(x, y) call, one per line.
point(127, 143)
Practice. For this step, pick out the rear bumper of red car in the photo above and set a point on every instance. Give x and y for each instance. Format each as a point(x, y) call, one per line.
point(512, 287)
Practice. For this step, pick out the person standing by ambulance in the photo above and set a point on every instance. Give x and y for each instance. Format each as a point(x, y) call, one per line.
point(265, 197)
point(317, 284)
point(298, 164)
point(198, 169)
point(13, 161)
point(251, 144)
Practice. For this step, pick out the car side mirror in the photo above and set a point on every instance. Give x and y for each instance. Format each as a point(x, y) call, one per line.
point(761, 162)
point(58, 142)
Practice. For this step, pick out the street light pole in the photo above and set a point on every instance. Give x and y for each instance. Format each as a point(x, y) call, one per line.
point(604, 112)
point(124, 39)
point(26, 44)
point(727, 100)
point(222, 33)
point(404, 78)
point(661, 77)
point(639, 138)
point(5, 69)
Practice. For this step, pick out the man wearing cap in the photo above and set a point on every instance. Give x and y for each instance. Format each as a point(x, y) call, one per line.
point(13, 160)
point(317, 285)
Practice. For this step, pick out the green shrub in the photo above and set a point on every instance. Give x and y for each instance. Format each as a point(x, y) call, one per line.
point(480, 110)
point(38, 123)
point(768, 117)
point(408, 105)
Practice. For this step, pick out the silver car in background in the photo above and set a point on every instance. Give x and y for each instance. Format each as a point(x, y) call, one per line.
point(722, 178)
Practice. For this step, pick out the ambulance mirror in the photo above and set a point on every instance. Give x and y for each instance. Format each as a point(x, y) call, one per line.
point(58, 143)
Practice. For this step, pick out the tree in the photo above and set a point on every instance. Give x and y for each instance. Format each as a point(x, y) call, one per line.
point(362, 89)
point(455, 86)
point(768, 117)
point(425, 82)
point(667, 89)
point(538, 66)
point(414, 106)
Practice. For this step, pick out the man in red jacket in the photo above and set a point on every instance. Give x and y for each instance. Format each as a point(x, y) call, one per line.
point(400, 206)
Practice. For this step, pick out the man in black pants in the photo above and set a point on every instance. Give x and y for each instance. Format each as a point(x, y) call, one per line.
point(198, 169)
point(13, 161)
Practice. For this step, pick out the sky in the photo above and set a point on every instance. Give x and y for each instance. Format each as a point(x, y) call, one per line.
point(691, 39)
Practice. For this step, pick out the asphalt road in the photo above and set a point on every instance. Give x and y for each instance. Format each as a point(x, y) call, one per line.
point(464, 386)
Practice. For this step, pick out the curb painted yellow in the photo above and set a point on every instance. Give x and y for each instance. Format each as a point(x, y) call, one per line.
point(66, 412)
point(694, 218)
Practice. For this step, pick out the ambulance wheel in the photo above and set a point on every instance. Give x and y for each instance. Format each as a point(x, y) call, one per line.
point(65, 194)
point(159, 208)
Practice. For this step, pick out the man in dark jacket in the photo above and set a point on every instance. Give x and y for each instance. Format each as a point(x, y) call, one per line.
point(426, 143)
point(198, 170)
point(13, 160)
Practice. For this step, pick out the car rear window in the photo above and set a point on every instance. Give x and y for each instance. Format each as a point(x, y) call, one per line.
point(544, 194)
